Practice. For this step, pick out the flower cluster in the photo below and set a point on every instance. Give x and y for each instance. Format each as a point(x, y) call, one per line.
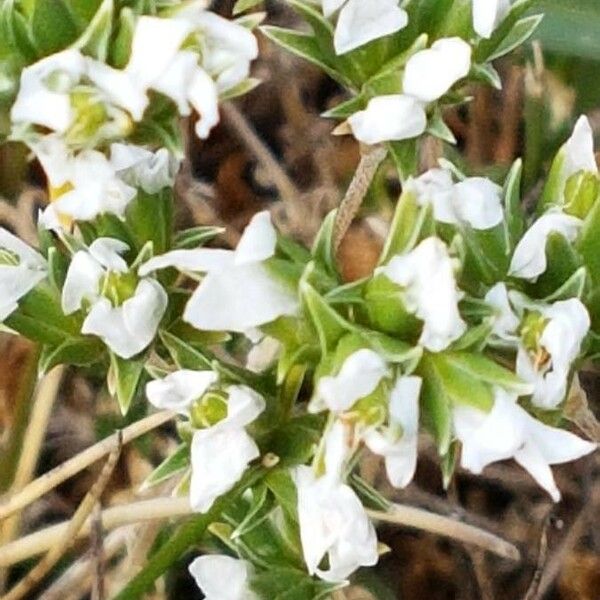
point(470, 329)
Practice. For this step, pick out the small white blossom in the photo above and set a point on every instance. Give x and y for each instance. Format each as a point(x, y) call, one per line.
point(389, 118)
point(333, 523)
point(127, 325)
point(179, 390)
point(221, 577)
point(430, 292)
point(548, 369)
point(21, 269)
point(488, 14)
point(529, 259)
point(506, 322)
point(476, 201)
point(430, 73)
point(508, 431)
point(358, 377)
point(579, 150)
point(141, 168)
point(238, 292)
point(398, 442)
point(221, 453)
point(362, 22)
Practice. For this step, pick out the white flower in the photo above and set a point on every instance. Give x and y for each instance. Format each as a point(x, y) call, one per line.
point(333, 523)
point(362, 22)
point(82, 185)
point(529, 259)
point(508, 431)
point(263, 354)
point(228, 48)
point(488, 14)
point(430, 292)
point(179, 390)
point(476, 200)
point(157, 62)
point(358, 377)
point(50, 82)
point(221, 577)
point(506, 322)
point(221, 453)
point(560, 343)
point(238, 293)
point(398, 443)
point(128, 321)
point(21, 269)
point(430, 73)
point(389, 118)
point(43, 97)
point(579, 150)
point(141, 168)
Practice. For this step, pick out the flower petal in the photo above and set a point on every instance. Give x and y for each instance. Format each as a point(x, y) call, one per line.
point(430, 73)
point(487, 15)
point(258, 241)
point(244, 405)
point(362, 22)
point(179, 390)
point(389, 118)
point(529, 259)
point(506, 321)
point(217, 304)
point(219, 459)
point(478, 202)
point(435, 187)
point(579, 150)
point(221, 577)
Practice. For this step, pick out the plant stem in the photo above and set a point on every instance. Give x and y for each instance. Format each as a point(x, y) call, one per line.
point(56, 476)
point(371, 159)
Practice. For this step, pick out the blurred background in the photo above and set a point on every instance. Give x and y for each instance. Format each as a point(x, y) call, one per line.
point(273, 146)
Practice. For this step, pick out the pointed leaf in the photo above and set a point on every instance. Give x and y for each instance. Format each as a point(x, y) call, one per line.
point(177, 462)
point(123, 379)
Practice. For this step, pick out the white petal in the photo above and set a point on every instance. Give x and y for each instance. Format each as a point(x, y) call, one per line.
point(119, 87)
point(359, 376)
point(579, 150)
point(217, 304)
point(430, 73)
point(221, 577)
point(244, 405)
point(478, 202)
point(435, 187)
point(175, 82)
point(487, 15)
point(155, 43)
point(430, 292)
point(201, 260)
point(389, 118)
point(529, 259)
point(36, 90)
point(337, 451)
point(55, 158)
point(362, 22)
point(258, 240)
point(152, 171)
point(263, 354)
point(82, 282)
point(204, 97)
point(330, 6)
point(179, 390)
point(107, 252)
point(530, 458)
point(219, 459)
point(506, 321)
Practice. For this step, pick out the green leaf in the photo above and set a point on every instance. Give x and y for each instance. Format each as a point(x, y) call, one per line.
point(486, 73)
point(322, 250)
point(123, 379)
point(256, 512)
point(52, 26)
point(78, 352)
point(95, 40)
point(330, 325)
point(120, 49)
point(437, 128)
point(150, 218)
point(519, 34)
point(177, 462)
point(405, 158)
point(184, 356)
point(575, 287)
point(289, 584)
point(588, 243)
point(295, 442)
point(243, 5)
point(370, 497)
point(241, 89)
point(16, 32)
point(392, 349)
point(196, 237)
point(346, 109)
point(514, 222)
point(281, 484)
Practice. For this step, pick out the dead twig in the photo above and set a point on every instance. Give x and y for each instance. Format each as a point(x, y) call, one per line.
point(64, 541)
point(56, 476)
point(533, 592)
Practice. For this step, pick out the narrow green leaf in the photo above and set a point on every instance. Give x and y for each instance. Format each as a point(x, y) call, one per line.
point(176, 463)
point(243, 5)
point(79, 352)
point(519, 34)
point(184, 355)
point(405, 158)
point(95, 40)
point(123, 379)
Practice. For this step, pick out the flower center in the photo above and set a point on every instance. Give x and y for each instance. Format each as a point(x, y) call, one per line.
point(118, 287)
point(209, 410)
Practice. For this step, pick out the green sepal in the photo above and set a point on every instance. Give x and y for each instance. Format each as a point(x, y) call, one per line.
point(123, 379)
point(95, 40)
point(175, 463)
